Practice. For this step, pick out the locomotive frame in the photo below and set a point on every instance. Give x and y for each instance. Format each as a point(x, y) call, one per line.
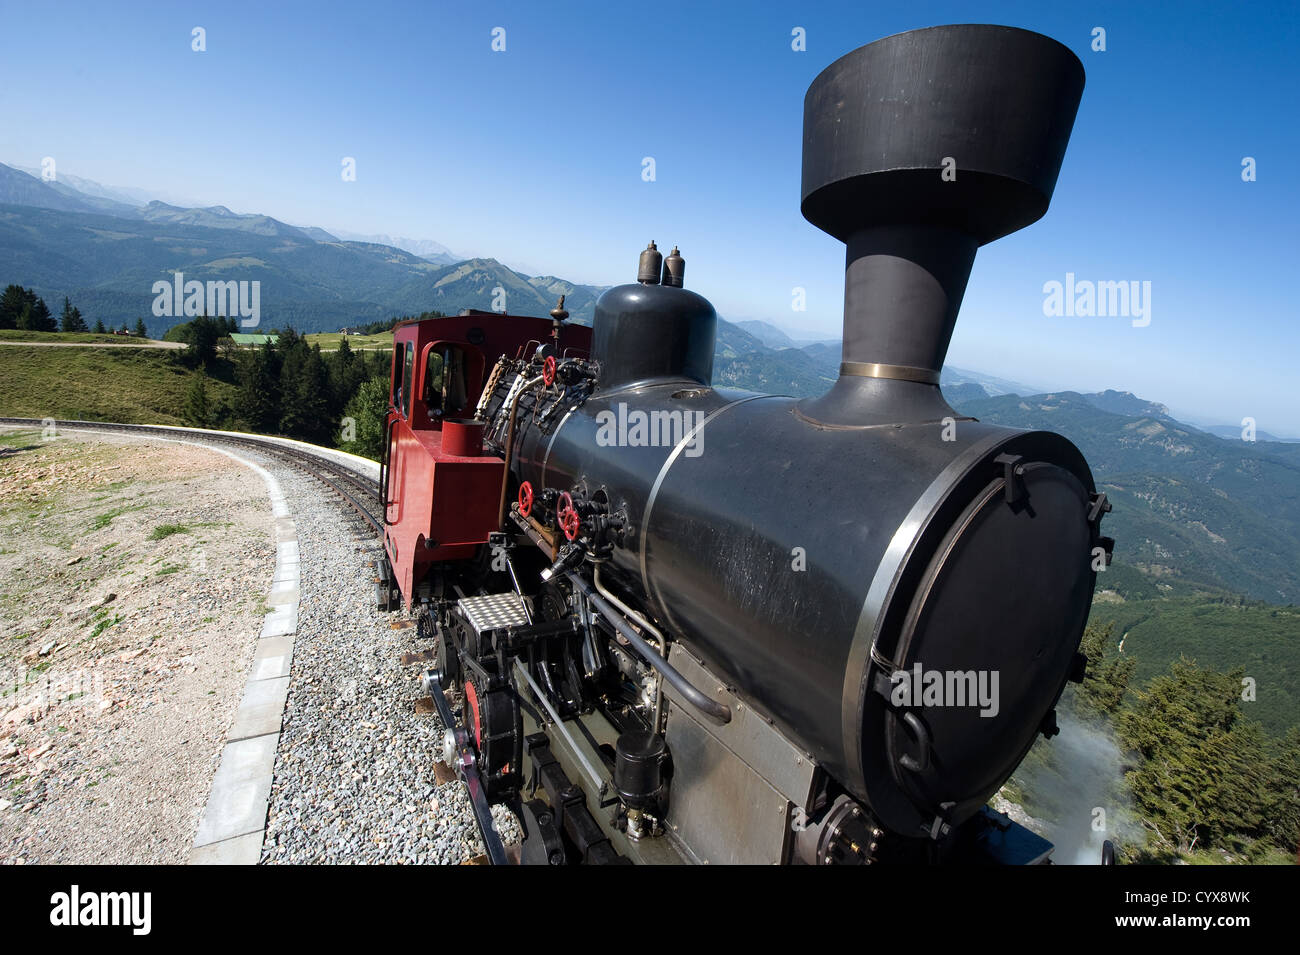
point(622, 657)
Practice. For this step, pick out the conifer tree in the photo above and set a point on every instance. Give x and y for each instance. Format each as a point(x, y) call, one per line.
point(196, 410)
point(71, 320)
point(304, 394)
point(258, 392)
point(1284, 812)
point(367, 409)
point(12, 303)
point(35, 316)
point(1108, 674)
point(1203, 773)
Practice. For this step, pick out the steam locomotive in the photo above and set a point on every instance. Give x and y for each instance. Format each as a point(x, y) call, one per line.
point(680, 623)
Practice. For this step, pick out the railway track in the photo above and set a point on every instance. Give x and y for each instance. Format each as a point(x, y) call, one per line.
point(355, 490)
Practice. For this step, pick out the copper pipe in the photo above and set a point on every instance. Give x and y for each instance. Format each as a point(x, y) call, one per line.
point(510, 446)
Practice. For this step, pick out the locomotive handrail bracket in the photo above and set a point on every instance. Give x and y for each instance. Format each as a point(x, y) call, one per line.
point(748, 735)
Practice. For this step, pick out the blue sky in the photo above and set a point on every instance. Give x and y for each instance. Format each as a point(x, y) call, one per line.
point(534, 156)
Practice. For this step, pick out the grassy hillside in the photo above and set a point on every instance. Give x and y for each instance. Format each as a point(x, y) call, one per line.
point(329, 341)
point(1220, 634)
point(140, 386)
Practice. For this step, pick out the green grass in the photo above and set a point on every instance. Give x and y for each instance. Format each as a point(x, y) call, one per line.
point(134, 386)
point(104, 623)
point(22, 438)
point(329, 341)
point(103, 520)
point(167, 530)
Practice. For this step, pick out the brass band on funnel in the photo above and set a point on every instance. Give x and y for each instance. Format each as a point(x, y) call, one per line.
point(871, 369)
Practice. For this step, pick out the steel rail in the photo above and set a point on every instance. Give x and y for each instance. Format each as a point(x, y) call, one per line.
point(352, 487)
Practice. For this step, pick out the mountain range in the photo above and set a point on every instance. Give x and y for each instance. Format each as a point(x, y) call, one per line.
point(1192, 511)
point(105, 254)
point(1196, 510)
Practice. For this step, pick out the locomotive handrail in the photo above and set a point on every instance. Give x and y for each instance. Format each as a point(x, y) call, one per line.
point(383, 469)
point(717, 712)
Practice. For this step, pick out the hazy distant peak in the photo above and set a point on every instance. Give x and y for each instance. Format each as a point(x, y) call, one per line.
point(424, 248)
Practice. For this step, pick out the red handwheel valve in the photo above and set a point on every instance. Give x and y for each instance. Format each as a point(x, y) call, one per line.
point(568, 516)
point(525, 499)
point(548, 370)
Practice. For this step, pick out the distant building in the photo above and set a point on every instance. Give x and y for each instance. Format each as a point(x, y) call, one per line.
point(252, 341)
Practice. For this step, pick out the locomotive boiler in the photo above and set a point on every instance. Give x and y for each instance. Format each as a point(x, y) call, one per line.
point(675, 622)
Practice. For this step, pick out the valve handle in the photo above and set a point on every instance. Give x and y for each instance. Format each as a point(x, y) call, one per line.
point(525, 499)
point(568, 516)
point(548, 370)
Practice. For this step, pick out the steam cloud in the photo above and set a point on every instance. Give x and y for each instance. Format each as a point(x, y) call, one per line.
point(1079, 771)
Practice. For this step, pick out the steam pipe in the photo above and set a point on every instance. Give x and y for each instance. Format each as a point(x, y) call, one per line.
point(645, 625)
point(718, 712)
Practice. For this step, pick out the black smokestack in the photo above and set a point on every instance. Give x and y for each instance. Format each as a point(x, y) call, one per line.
point(918, 149)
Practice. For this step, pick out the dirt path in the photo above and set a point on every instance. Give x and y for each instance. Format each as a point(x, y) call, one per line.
point(148, 344)
point(132, 583)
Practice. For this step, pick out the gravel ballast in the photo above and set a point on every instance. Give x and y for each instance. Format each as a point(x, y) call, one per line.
point(354, 771)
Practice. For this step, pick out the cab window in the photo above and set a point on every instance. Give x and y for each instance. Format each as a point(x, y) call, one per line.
point(395, 398)
point(407, 367)
point(433, 366)
point(447, 376)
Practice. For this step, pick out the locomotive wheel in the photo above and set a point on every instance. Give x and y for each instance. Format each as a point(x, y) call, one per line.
point(472, 714)
point(494, 722)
